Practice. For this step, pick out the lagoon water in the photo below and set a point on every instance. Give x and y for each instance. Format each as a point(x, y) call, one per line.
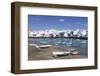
point(65, 43)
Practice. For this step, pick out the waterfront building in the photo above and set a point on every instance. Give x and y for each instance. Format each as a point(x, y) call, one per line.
point(58, 33)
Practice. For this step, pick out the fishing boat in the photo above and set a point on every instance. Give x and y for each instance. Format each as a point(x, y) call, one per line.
point(83, 42)
point(44, 46)
point(69, 43)
point(40, 46)
point(74, 51)
point(61, 54)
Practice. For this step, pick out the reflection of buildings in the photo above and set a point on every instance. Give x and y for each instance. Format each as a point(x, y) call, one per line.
point(58, 33)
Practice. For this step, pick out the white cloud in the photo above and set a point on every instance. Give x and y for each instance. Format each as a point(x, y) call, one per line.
point(61, 20)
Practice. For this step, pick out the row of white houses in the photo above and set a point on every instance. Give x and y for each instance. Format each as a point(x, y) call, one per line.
point(58, 33)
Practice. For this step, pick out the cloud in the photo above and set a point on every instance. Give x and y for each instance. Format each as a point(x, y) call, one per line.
point(61, 20)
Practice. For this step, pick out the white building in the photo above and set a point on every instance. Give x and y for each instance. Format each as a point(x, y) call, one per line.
point(58, 33)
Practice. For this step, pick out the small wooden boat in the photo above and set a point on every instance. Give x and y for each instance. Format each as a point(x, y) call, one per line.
point(69, 43)
point(61, 54)
point(83, 42)
point(75, 52)
point(44, 46)
point(40, 46)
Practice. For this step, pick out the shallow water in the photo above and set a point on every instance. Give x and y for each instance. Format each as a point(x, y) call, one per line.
point(65, 43)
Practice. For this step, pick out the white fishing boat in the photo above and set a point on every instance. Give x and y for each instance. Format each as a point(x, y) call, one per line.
point(83, 42)
point(60, 54)
point(69, 43)
point(74, 53)
point(44, 46)
point(71, 49)
point(40, 46)
point(35, 45)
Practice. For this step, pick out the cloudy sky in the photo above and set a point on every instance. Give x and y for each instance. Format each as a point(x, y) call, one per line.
point(41, 22)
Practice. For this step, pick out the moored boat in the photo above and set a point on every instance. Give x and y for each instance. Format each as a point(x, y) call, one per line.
point(75, 52)
point(44, 46)
point(60, 54)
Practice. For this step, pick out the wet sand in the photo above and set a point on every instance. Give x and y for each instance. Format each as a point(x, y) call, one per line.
point(46, 53)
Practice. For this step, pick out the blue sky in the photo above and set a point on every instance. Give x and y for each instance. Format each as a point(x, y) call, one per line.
point(44, 22)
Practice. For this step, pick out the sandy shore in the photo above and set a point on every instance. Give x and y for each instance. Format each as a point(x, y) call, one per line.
point(46, 53)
